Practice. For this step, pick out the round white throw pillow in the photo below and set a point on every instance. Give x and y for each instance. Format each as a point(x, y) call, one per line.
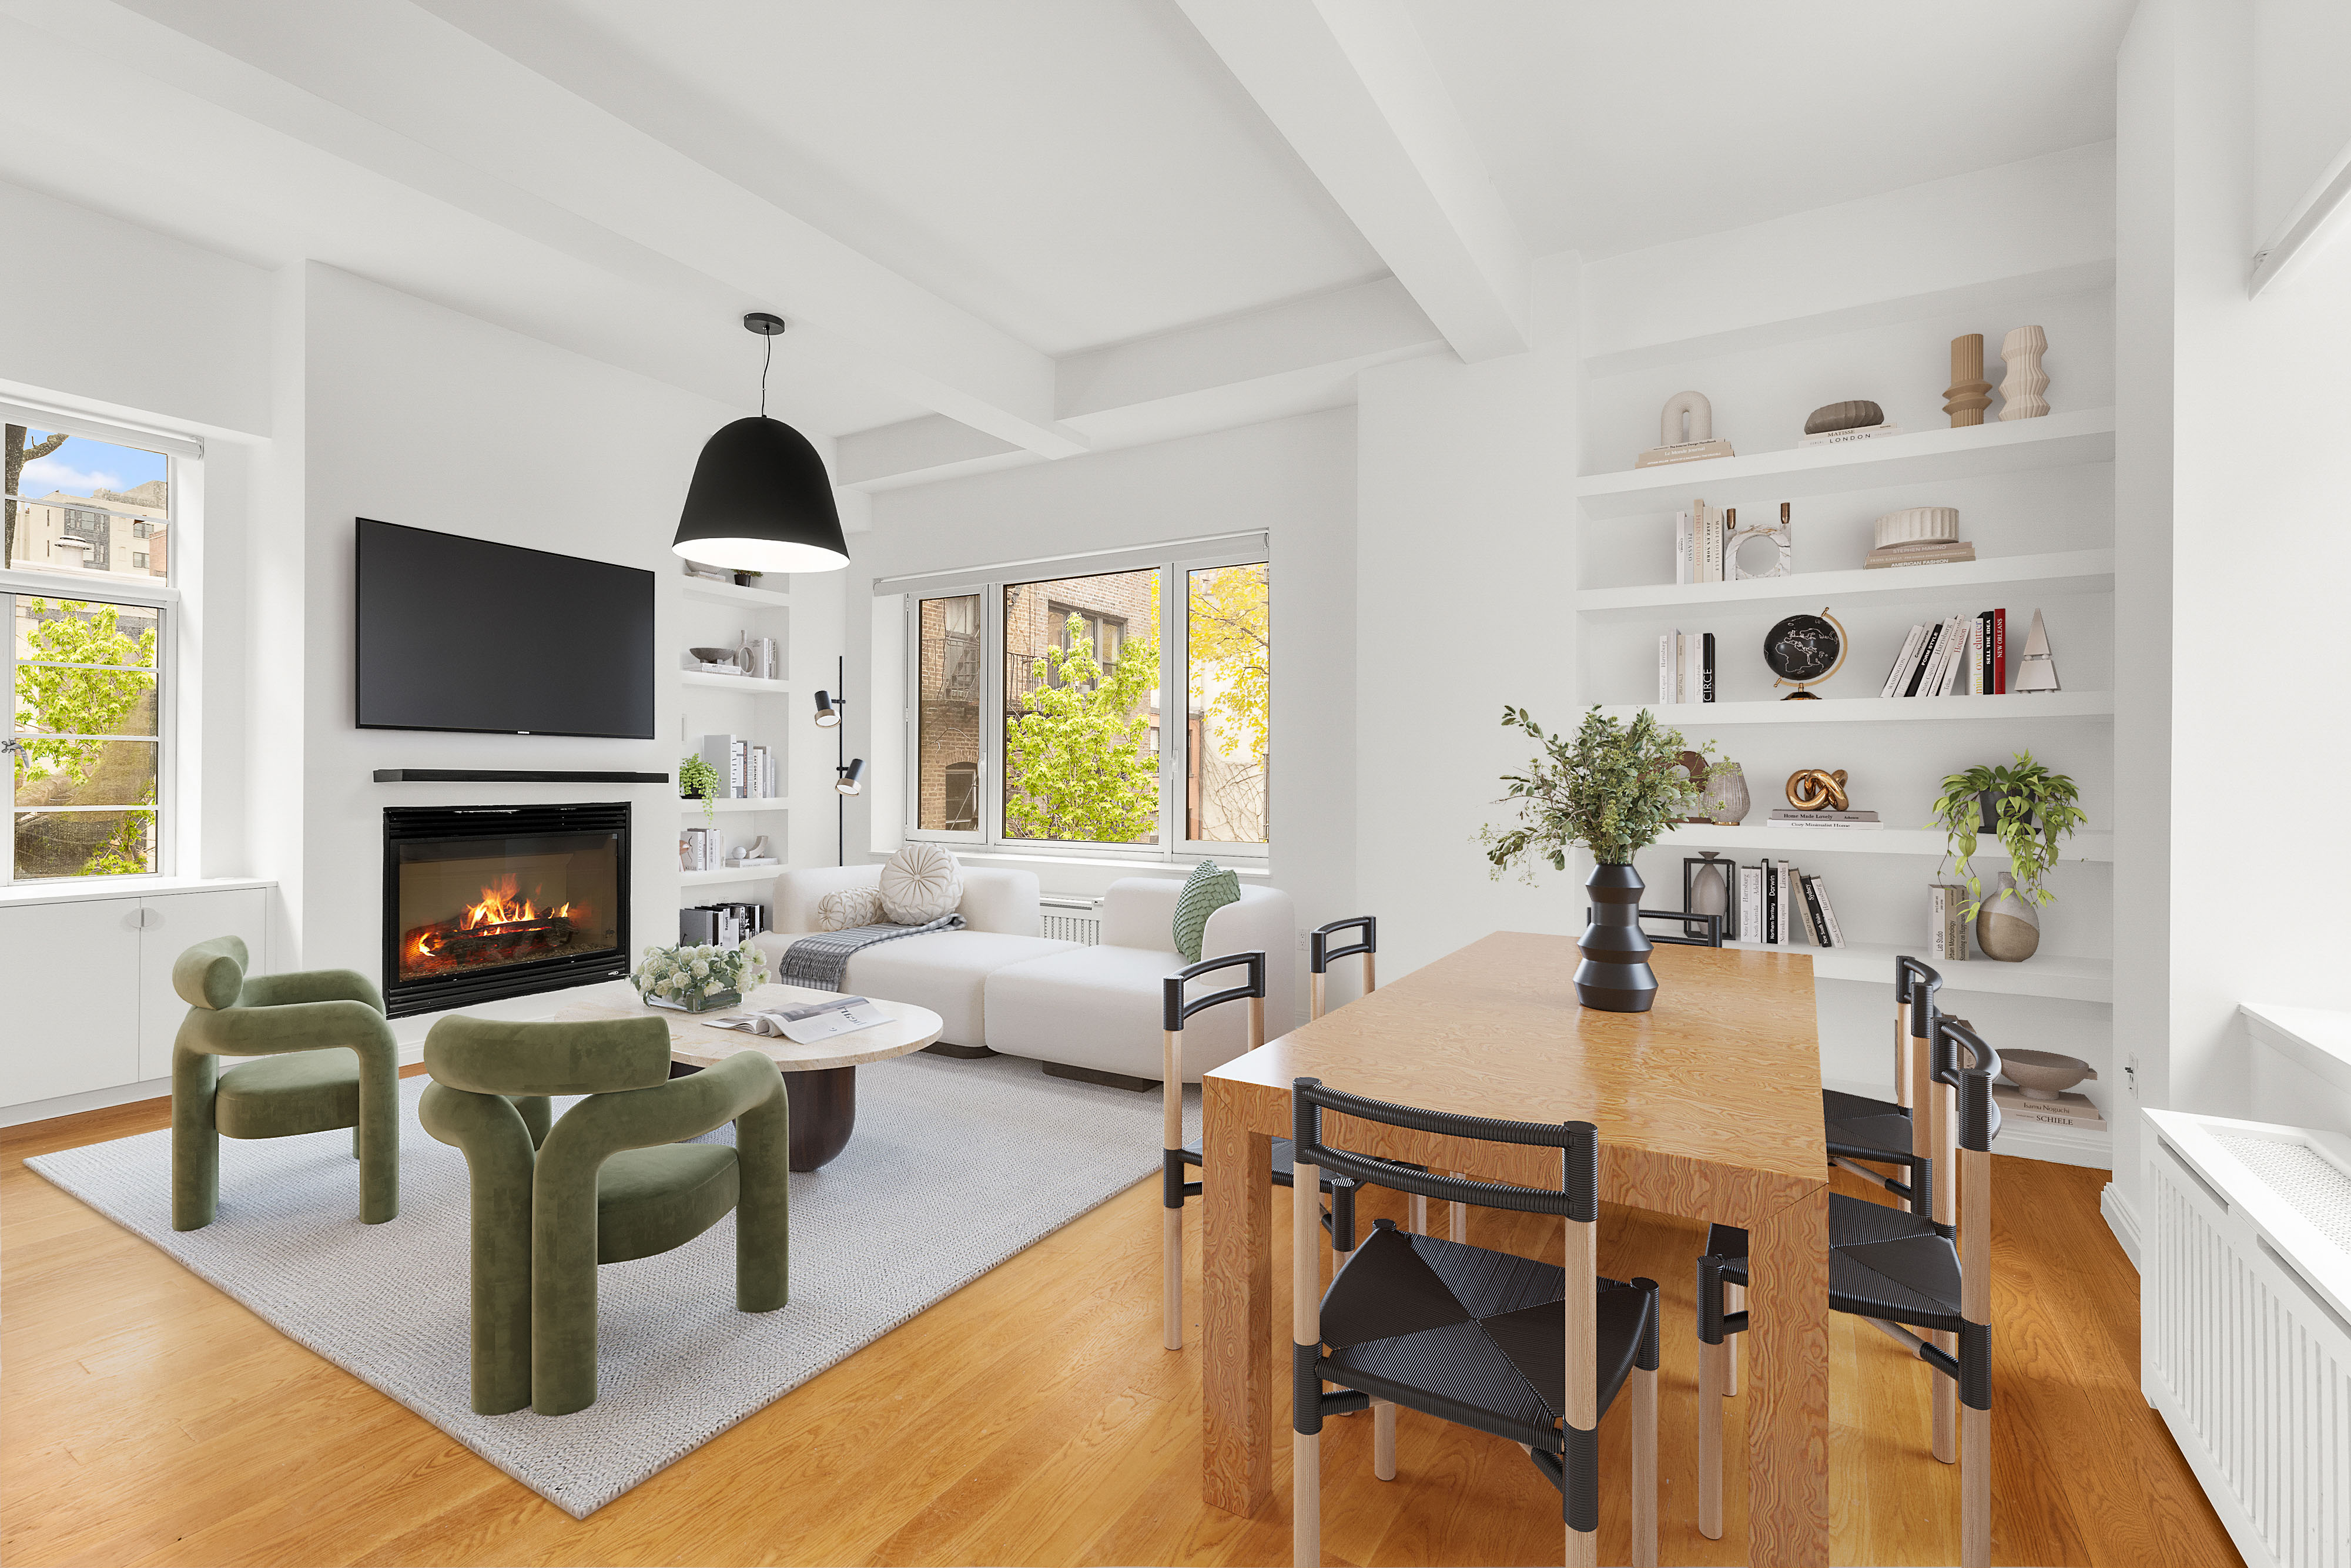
point(920, 884)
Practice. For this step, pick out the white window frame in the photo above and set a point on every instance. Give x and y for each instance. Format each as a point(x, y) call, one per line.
point(159, 594)
point(1174, 562)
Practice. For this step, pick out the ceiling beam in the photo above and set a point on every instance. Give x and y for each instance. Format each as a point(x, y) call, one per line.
point(389, 87)
point(1350, 85)
point(1286, 358)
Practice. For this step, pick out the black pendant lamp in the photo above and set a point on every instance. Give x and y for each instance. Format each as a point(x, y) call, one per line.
point(761, 500)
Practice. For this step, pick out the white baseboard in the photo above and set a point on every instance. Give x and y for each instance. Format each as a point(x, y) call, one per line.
point(87, 1100)
point(2123, 1220)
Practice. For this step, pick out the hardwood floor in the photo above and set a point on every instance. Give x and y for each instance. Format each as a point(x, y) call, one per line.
point(1030, 1417)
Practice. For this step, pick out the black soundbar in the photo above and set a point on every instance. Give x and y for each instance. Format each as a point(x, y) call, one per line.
point(510, 776)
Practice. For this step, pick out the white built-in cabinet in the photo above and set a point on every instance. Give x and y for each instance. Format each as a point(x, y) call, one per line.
point(87, 981)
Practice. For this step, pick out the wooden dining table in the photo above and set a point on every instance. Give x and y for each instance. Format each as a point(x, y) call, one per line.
point(1709, 1106)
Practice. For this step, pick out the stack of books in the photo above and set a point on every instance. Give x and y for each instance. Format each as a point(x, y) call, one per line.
point(1861, 432)
point(1698, 538)
point(1685, 668)
point(701, 849)
point(1781, 906)
point(1789, 817)
point(2068, 1110)
point(1947, 922)
point(1919, 552)
point(748, 772)
point(1961, 656)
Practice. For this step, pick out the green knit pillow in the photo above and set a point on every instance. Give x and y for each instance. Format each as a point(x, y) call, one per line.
point(1205, 891)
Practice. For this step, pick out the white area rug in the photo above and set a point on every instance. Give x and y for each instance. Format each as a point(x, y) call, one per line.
point(955, 1167)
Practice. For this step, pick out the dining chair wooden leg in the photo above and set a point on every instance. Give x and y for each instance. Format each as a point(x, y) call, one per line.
point(1383, 1419)
point(1710, 1441)
point(1306, 1337)
point(1580, 1420)
point(1644, 1439)
point(1460, 1217)
point(1734, 1299)
point(1171, 1243)
point(1419, 1215)
point(1944, 1414)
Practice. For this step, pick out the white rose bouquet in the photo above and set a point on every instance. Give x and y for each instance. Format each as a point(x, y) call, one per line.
point(699, 977)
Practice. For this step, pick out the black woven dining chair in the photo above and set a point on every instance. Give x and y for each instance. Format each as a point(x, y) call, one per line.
point(1177, 1154)
point(1904, 1271)
point(1320, 954)
point(1487, 1340)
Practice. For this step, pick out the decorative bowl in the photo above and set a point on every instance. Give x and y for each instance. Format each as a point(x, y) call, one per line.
point(2043, 1074)
point(1854, 413)
point(713, 655)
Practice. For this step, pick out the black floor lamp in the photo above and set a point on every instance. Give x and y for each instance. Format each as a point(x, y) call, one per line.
point(848, 772)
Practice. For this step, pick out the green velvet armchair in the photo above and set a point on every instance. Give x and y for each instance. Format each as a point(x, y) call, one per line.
point(611, 1181)
point(328, 1060)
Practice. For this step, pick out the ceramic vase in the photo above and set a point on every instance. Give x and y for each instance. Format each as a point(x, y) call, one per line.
point(2007, 926)
point(1725, 802)
point(1709, 886)
point(1614, 975)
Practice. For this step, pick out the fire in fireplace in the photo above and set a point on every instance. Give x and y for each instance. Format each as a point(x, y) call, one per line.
point(485, 902)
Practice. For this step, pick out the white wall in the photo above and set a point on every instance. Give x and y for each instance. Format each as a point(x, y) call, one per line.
point(1295, 479)
point(2256, 553)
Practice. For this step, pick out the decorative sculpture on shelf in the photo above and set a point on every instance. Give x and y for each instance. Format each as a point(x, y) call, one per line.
point(1817, 790)
point(1969, 394)
point(2020, 392)
point(1784, 535)
point(1804, 650)
point(1685, 433)
point(2036, 671)
point(1852, 415)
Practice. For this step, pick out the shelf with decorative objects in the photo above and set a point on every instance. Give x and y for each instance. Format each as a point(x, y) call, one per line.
point(1793, 843)
point(1895, 519)
point(745, 686)
point(2012, 706)
point(736, 593)
point(2054, 574)
point(1915, 457)
point(727, 874)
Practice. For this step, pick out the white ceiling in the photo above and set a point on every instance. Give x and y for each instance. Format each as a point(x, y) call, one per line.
point(1611, 125)
point(1014, 227)
point(1075, 171)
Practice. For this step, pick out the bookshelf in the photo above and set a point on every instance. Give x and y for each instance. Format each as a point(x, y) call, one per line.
point(2035, 499)
point(718, 614)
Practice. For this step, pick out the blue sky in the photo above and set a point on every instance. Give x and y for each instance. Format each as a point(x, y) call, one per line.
point(81, 465)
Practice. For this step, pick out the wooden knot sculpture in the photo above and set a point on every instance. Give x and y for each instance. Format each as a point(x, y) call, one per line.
point(1815, 789)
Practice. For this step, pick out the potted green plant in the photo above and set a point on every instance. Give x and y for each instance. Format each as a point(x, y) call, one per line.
point(2030, 812)
point(1614, 790)
point(697, 779)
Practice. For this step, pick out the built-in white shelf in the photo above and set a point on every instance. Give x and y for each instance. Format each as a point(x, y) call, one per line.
point(693, 807)
point(1801, 843)
point(748, 686)
point(2058, 574)
point(1918, 457)
point(712, 878)
point(2042, 975)
point(732, 593)
point(1875, 710)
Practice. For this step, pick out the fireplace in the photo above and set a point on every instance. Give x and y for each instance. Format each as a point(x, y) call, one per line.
point(484, 901)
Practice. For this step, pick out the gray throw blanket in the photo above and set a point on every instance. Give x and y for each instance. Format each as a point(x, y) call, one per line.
point(822, 962)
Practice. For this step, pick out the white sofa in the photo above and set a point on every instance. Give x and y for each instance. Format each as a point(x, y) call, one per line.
point(997, 983)
point(945, 971)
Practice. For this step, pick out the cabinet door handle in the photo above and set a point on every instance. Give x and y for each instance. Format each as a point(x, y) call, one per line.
point(150, 917)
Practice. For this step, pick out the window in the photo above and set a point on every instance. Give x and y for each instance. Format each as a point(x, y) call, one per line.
point(91, 619)
point(1040, 715)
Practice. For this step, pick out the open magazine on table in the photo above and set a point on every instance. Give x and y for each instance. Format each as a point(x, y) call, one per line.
point(805, 1023)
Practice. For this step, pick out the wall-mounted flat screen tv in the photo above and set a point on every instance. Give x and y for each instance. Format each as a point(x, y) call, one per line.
point(461, 634)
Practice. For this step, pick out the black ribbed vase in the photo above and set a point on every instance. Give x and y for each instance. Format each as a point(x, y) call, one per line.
point(1614, 975)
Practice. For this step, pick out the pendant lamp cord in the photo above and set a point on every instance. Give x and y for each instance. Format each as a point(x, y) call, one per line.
point(767, 357)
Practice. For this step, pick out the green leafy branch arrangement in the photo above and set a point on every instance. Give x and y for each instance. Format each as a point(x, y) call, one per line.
point(697, 777)
point(1614, 789)
point(2027, 790)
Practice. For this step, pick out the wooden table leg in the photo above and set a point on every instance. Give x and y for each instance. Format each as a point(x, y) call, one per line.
point(1788, 1386)
point(1237, 1339)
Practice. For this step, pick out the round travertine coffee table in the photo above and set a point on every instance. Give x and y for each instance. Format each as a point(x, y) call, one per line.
point(821, 1079)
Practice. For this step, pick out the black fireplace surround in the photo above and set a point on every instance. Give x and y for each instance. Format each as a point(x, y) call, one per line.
point(486, 902)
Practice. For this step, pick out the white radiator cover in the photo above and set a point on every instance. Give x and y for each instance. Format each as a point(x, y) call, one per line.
point(1072, 917)
point(2245, 1318)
